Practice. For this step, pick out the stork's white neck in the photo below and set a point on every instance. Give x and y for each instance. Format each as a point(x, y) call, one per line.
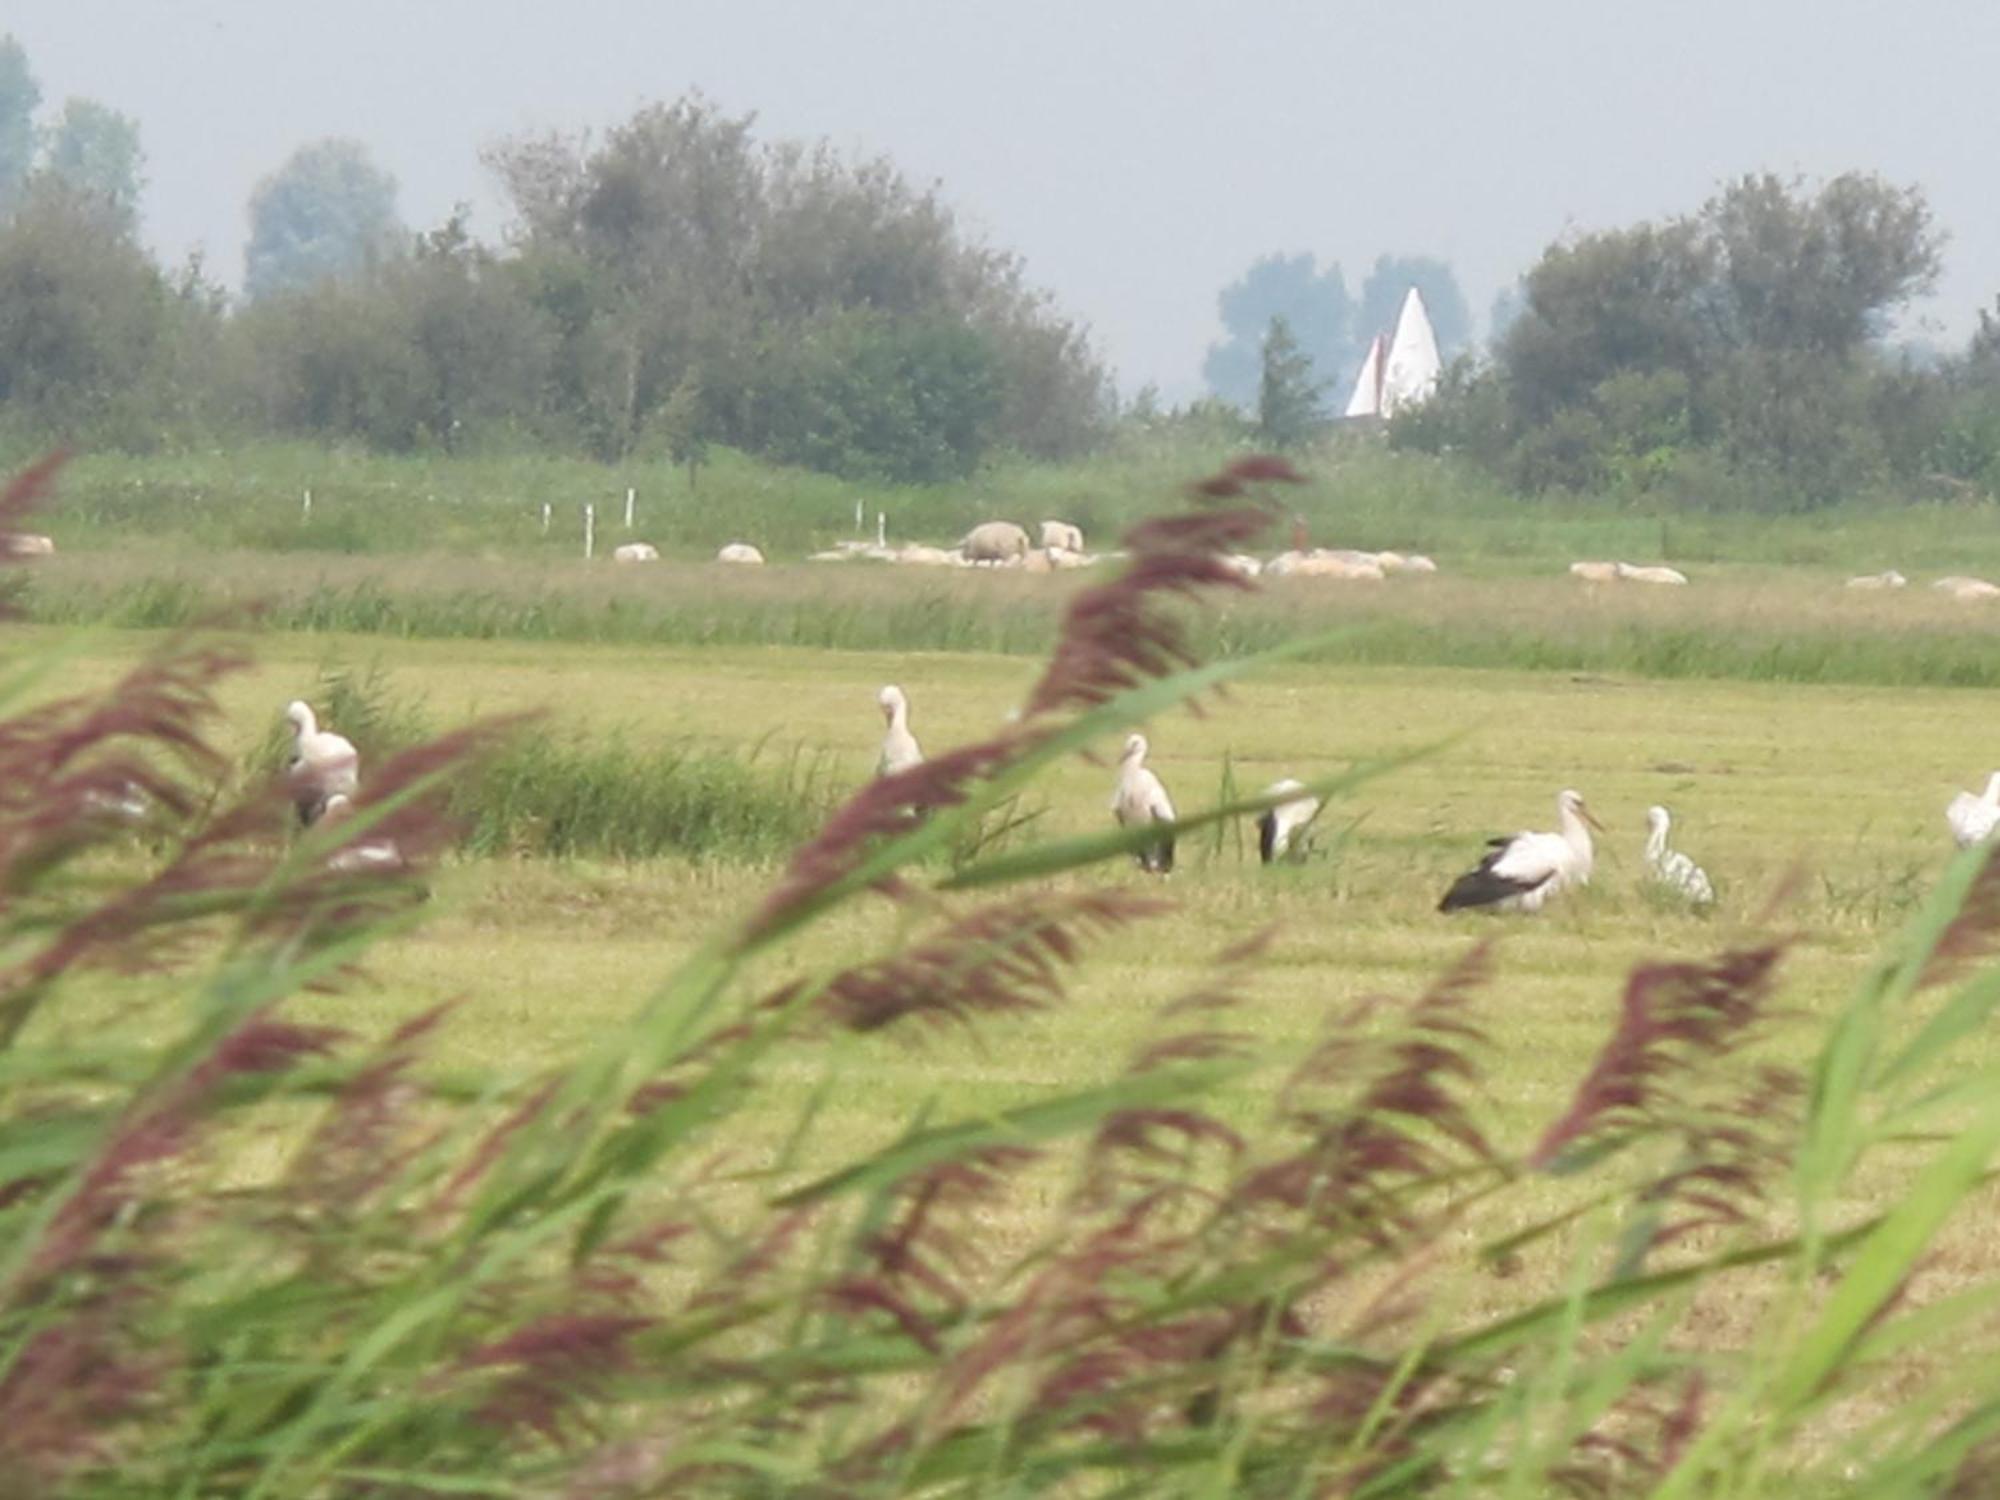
point(1575, 832)
point(1656, 842)
point(1992, 796)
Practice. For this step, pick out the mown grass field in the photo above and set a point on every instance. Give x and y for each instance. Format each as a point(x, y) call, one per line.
point(1843, 786)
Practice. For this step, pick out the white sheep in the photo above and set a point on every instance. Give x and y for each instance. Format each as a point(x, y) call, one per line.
point(995, 542)
point(1966, 588)
point(1062, 534)
point(1595, 572)
point(925, 557)
point(740, 552)
point(1889, 580)
point(1651, 574)
point(26, 544)
point(1327, 565)
point(635, 552)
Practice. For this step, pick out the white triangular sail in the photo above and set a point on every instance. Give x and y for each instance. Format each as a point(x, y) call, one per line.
point(1367, 398)
point(1410, 374)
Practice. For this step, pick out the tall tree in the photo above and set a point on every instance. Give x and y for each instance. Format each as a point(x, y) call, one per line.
point(20, 97)
point(328, 211)
point(95, 151)
point(1389, 282)
point(1316, 309)
point(1288, 398)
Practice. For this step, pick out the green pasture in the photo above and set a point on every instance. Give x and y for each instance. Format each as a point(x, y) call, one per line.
point(1833, 795)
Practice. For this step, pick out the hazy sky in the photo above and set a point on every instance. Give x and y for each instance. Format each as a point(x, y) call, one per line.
point(1139, 155)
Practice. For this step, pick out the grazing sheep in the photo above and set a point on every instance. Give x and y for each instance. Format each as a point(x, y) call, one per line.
point(926, 557)
point(995, 542)
point(1595, 572)
point(1283, 563)
point(1062, 534)
point(1061, 558)
point(740, 552)
point(1034, 560)
point(1329, 565)
point(322, 765)
point(1650, 575)
point(636, 552)
point(26, 544)
point(835, 556)
point(1416, 562)
point(1889, 580)
point(1966, 588)
point(1242, 564)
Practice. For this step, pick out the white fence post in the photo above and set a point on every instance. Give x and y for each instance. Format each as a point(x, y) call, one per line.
point(589, 531)
point(546, 516)
point(860, 517)
point(631, 496)
point(306, 509)
point(881, 528)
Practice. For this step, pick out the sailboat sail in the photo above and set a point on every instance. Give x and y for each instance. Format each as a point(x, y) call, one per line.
point(1367, 398)
point(1410, 374)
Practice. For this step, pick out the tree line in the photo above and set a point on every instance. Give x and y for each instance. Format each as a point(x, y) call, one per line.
point(1733, 357)
point(675, 284)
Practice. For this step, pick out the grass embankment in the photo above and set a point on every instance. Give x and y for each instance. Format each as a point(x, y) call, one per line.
point(1731, 624)
point(1358, 494)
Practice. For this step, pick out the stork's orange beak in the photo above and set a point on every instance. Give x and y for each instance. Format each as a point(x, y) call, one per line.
point(1591, 818)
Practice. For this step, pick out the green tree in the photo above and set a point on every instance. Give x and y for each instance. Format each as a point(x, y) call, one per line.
point(87, 325)
point(96, 151)
point(328, 211)
point(1288, 398)
point(20, 97)
point(1314, 305)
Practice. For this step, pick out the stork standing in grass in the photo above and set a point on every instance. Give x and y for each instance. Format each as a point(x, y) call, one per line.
point(1973, 819)
point(1521, 872)
point(1282, 827)
point(1140, 800)
point(1669, 868)
point(323, 765)
point(900, 750)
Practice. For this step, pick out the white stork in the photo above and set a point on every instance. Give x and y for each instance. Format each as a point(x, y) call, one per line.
point(323, 764)
point(1973, 819)
point(1669, 868)
point(1140, 799)
point(366, 855)
point(1280, 829)
point(900, 750)
point(1521, 872)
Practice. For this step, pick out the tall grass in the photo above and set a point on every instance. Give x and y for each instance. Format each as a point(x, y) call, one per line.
point(1727, 625)
point(606, 1278)
point(570, 795)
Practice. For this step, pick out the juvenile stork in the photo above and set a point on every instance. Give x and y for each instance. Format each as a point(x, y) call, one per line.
point(322, 765)
point(1279, 830)
point(1521, 872)
point(1973, 819)
point(1140, 800)
point(1669, 868)
point(364, 855)
point(900, 750)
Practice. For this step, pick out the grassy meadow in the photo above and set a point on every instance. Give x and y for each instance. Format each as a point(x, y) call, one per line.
point(1842, 785)
point(687, 724)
